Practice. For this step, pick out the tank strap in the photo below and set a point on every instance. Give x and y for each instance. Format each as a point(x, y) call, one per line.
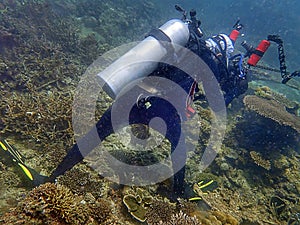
point(164, 39)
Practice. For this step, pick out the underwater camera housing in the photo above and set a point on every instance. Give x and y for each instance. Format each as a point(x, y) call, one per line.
point(144, 58)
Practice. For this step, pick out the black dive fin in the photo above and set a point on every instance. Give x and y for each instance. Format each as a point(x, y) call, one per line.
point(31, 175)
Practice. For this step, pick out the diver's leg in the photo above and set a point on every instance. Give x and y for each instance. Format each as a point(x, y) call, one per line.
point(85, 145)
point(167, 112)
point(179, 157)
point(94, 137)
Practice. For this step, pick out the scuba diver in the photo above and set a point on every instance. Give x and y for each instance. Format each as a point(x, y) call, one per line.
point(216, 53)
point(159, 53)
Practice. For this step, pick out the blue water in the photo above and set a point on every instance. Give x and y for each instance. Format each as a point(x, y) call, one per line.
point(260, 19)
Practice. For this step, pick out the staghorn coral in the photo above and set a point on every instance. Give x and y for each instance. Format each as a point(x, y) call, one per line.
point(43, 116)
point(258, 160)
point(277, 206)
point(181, 219)
point(273, 110)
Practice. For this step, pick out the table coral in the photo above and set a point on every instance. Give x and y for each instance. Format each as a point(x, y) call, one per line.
point(273, 110)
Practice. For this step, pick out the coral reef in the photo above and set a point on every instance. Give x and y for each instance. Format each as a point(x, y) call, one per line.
point(214, 218)
point(258, 160)
point(137, 203)
point(263, 126)
point(101, 210)
point(266, 92)
point(160, 212)
point(181, 219)
point(49, 203)
point(42, 116)
point(273, 110)
point(277, 206)
point(41, 63)
point(81, 181)
point(56, 204)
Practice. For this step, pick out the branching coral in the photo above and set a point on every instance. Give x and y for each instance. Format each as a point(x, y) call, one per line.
point(82, 182)
point(56, 204)
point(160, 212)
point(42, 117)
point(47, 203)
point(100, 210)
point(182, 219)
point(258, 160)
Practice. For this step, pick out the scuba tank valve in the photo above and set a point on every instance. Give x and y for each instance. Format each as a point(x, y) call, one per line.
point(195, 23)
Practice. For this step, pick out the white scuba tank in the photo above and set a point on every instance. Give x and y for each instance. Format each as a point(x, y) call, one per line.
point(142, 59)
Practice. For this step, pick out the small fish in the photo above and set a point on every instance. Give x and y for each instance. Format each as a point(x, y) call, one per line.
point(202, 187)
